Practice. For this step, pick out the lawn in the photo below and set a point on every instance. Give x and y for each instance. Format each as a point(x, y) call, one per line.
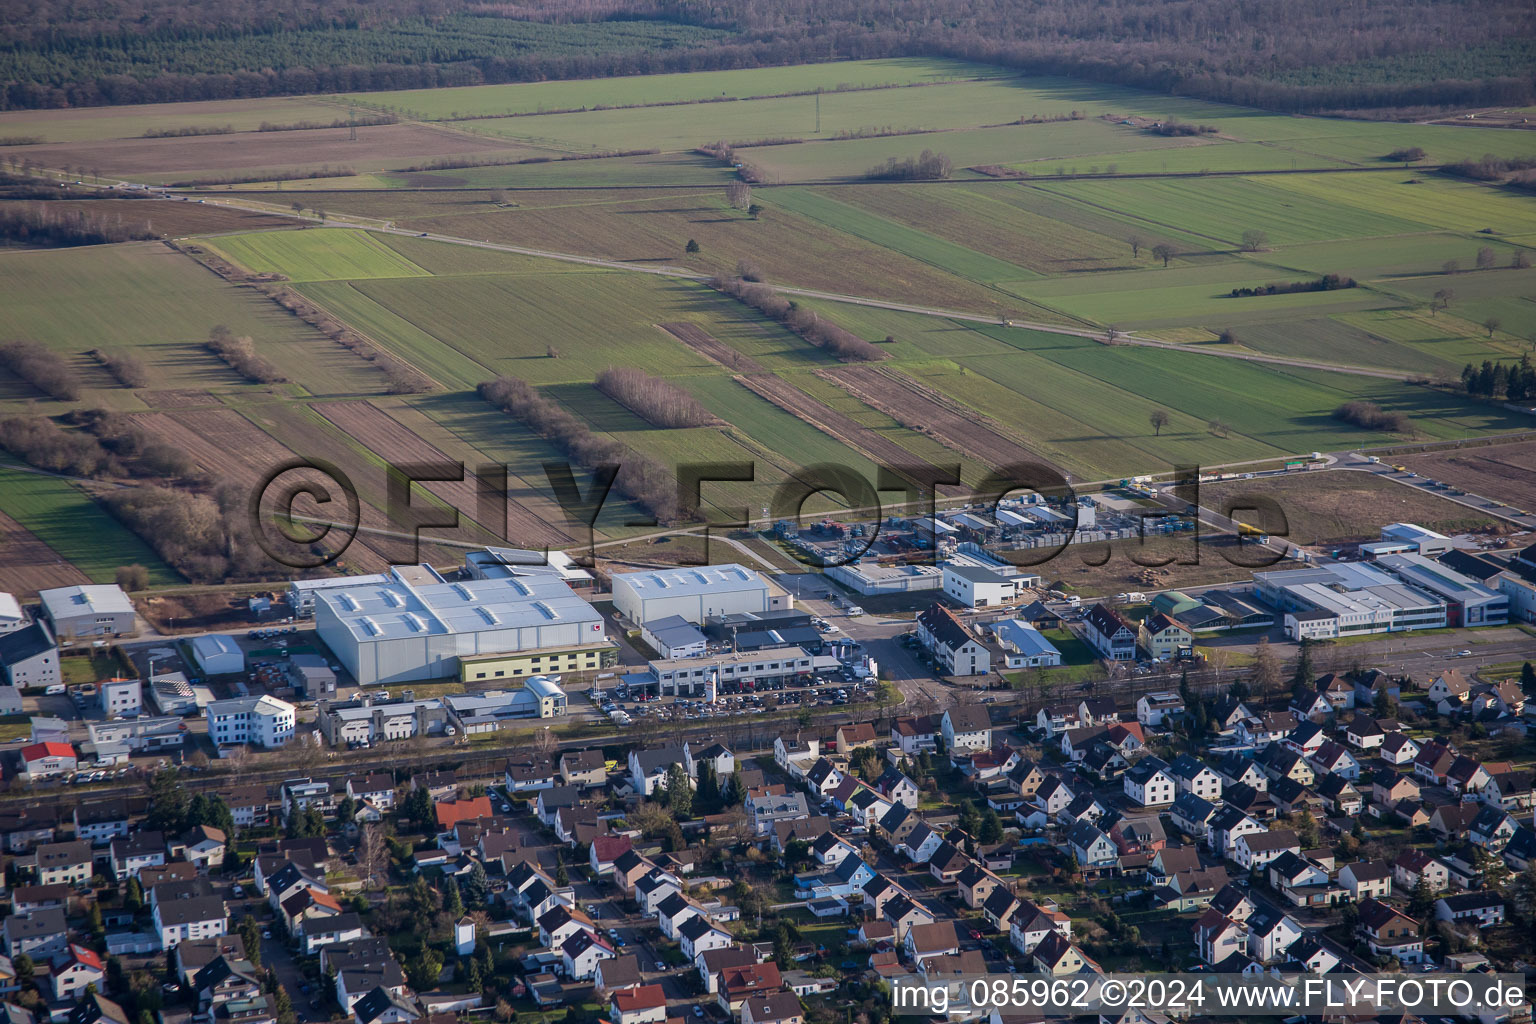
point(319, 254)
point(68, 520)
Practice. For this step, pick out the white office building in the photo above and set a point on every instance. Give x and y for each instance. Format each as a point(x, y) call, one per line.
point(869, 578)
point(121, 697)
point(399, 630)
point(260, 721)
point(695, 593)
point(976, 586)
point(301, 593)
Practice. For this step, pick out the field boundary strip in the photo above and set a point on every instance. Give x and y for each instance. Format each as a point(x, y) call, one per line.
point(922, 408)
point(841, 428)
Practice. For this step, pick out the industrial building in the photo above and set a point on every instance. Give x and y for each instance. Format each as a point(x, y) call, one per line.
point(11, 615)
point(113, 742)
point(1467, 602)
point(89, 610)
point(218, 655)
point(398, 631)
point(976, 586)
point(260, 721)
point(693, 677)
point(367, 721)
point(28, 657)
point(675, 637)
point(591, 656)
point(1410, 538)
point(474, 713)
point(499, 563)
point(1347, 599)
point(301, 593)
point(695, 593)
point(869, 578)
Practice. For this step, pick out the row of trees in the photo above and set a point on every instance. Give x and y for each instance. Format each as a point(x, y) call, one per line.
point(206, 537)
point(1326, 283)
point(128, 368)
point(1517, 383)
point(42, 225)
point(639, 478)
point(44, 369)
point(823, 333)
point(659, 402)
point(240, 354)
point(926, 166)
point(1370, 416)
point(110, 444)
point(403, 378)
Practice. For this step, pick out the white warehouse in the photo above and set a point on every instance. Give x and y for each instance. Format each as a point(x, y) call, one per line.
point(695, 593)
point(399, 631)
point(218, 655)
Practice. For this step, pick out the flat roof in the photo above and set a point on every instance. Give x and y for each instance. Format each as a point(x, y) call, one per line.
point(338, 581)
point(1348, 588)
point(703, 579)
point(975, 573)
point(874, 573)
point(1436, 577)
point(86, 599)
point(398, 610)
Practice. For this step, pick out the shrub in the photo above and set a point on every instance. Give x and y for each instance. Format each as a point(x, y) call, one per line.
point(240, 354)
point(1370, 416)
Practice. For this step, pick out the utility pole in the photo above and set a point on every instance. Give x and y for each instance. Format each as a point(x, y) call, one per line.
point(818, 110)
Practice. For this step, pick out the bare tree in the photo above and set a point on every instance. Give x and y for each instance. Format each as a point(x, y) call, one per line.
point(1266, 668)
point(1159, 420)
point(1485, 257)
point(1451, 267)
point(373, 853)
point(1137, 243)
point(1492, 323)
point(1163, 251)
point(738, 194)
point(1254, 240)
point(1442, 300)
point(1522, 260)
point(1217, 427)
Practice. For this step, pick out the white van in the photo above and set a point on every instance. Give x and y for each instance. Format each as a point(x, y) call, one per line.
point(55, 689)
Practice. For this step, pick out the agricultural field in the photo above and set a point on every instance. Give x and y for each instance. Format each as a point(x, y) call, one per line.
point(1341, 506)
point(1066, 243)
point(148, 298)
point(697, 87)
point(1506, 472)
point(60, 515)
point(323, 254)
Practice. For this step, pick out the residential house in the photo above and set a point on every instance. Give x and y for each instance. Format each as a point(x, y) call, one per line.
point(966, 727)
point(1387, 931)
point(1110, 633)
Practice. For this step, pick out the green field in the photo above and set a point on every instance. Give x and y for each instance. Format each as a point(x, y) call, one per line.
point(145, 297)
point(68, 520)
point(321, 254)
point(493, 100)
